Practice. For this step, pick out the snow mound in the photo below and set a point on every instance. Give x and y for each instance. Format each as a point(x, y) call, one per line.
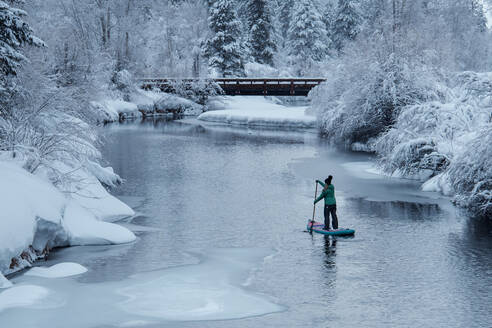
point(258, 111)
point(36, 216)
point(59, 270)
point(22, 296)
point(85, 229)
point(23, 198)
point(88, 192)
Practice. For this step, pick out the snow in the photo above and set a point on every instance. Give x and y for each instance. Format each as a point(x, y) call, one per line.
point(116, 108)
point(181, 105)
point(4, 282)
point(145, 103)
point(85, 229)
point(59, 270)
point(439, 183)
point(257, 70)
point(23, 198)
point(93, 197)
point(36, 213)
point(258, 111)
point(22, 296)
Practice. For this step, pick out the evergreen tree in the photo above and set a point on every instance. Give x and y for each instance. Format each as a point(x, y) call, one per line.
point(260, 26)
point(14, 33)
point(346, 25)
point(284, 18)
point(224, 48)
point(329, 15)
point(307, 36)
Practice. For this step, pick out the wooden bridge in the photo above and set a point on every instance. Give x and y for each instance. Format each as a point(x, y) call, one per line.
point(245, 86)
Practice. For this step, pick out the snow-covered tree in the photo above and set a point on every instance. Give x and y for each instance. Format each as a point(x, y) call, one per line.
point(284, 18)
point(329, 15)
point(346, 25)
point(307, 36)
point(224, 48)
point(260, 41)
point(14, 33)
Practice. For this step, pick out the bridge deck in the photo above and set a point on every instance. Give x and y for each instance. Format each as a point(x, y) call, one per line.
point(245, 86)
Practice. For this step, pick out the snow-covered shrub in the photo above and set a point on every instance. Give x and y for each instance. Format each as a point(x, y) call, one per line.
point(471, 174)
point(197, 91)
point(257, 70)
point(172, 103)
point(412, 157)
point(43, 124)
point(123, 82)
point(363, 97)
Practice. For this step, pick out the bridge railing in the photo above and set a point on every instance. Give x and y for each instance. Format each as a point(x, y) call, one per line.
point(247, 86)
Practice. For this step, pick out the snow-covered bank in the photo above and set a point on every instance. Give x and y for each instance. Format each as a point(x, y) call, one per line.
point(144, 103)
point(37, 216)
point(443, 137)
point(259, 111)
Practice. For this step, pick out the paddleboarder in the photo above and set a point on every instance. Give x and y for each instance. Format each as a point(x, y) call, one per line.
point(328, 194)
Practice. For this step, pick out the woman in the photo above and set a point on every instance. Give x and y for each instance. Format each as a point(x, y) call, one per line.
point(328, 194)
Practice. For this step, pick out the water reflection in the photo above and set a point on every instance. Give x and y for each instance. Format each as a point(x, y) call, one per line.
point(330, 251)
point(396, 209)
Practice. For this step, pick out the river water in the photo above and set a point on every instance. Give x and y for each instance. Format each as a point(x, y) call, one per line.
point(221, 216)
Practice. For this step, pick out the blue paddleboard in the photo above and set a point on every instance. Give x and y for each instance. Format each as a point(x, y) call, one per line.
point(318, 228)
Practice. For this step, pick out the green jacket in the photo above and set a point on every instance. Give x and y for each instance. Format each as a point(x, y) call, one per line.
point(328, 195)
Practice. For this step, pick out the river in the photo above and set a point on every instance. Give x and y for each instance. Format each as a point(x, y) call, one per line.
point(221, 220)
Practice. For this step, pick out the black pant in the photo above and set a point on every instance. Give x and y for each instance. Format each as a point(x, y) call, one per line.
point(333, 210)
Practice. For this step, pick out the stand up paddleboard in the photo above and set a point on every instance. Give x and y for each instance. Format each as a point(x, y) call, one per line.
point(318, 228)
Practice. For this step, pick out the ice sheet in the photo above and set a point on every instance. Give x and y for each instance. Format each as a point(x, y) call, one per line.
point(209, 290)
point(22, 296)
point(363, 170)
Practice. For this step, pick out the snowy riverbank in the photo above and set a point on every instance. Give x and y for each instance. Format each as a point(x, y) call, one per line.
point(259, 111)
point(143, 103)
point(37, 216)
point(443, 140)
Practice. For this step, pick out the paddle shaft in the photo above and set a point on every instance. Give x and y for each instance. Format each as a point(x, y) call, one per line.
point(314, 206)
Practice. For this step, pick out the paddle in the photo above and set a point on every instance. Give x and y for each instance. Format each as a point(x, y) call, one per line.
point(314, 206)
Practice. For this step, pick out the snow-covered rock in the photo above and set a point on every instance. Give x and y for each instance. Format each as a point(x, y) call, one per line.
point(258, 111)
point(59, 270)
